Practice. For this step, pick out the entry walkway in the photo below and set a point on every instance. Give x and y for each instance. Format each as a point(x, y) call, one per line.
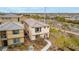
point(4, 49)
point(47, 46)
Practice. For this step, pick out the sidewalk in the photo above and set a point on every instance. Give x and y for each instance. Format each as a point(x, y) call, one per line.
point(47, 46)
point(4, 49)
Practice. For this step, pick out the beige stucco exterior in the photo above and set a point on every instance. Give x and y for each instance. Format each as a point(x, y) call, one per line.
point(12, 19)
point(10, 41)
point(10, 34)
point(23, 18)
point(0, 43)
point(11, 37)
point(4, 19)
point(32, 32)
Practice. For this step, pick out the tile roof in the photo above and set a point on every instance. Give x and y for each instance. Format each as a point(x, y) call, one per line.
point(35, 23)
point(11, 26)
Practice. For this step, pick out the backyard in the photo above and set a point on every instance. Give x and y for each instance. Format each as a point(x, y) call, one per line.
point(63, 41)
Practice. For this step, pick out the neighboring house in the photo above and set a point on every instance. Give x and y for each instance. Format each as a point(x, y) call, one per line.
point(36, 29)
point(10, 18)
point(11, 33)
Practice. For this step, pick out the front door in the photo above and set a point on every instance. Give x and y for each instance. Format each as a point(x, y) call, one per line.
point(5, 43)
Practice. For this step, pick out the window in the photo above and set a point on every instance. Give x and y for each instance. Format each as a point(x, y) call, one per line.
point(3, 34)
point(37, 29)
point(44, 26)
point(16, 40)
point(15, 31)
point(37, 36)
point(47, 26)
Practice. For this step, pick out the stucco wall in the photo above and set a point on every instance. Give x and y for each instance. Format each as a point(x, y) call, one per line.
point(0, 43)
point(22, 40)
point(43, 30)
point(13, 19)
point(11, 35)
point(32, 32)
point(10, 41)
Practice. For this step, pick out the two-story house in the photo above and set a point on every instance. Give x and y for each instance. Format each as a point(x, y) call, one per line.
point(11, 33)
point(36, 29)
point(10, 18)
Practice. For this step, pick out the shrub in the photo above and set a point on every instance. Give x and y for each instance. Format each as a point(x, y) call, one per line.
point(18, 45)
point(22, 47)
point(11, 46)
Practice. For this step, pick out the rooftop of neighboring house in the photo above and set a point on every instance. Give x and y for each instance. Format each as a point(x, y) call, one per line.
point(10, 15)
point(11, 26)
point(35, 23)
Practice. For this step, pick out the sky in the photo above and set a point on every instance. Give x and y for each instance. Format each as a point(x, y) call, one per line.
point(39, 9)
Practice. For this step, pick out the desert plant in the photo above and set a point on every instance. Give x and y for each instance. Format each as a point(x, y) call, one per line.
point(18, 45)
point(60, 18)
point(11, 46)
point(22, 47)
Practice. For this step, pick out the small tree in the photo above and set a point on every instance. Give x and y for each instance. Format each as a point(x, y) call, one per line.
point(60, 18)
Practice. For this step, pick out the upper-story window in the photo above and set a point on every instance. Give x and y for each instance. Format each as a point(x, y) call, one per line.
point(3, 34)
point(38, 29)
point(15, 31)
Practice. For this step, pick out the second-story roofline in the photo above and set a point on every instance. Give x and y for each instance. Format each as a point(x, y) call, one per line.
point(35, 23)
point(11, 26)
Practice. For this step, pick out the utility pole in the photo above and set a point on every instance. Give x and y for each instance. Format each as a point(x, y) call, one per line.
point(45, 14)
